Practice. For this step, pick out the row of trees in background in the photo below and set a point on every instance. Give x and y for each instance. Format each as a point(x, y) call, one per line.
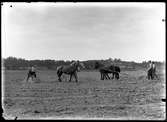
point(13, 63)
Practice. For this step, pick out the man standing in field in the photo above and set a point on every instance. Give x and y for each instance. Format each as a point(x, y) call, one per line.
point(154, 70)
point(31, 73)
point(150, 71)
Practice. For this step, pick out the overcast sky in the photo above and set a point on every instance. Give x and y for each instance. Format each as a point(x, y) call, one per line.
point(80, 31)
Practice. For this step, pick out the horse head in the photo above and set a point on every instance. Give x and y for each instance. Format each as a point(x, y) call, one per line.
point(98, 65)
point(77, 65)
point(81, 65)
point(74, 63)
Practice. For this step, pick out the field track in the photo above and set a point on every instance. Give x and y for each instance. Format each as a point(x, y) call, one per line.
point(130, 97)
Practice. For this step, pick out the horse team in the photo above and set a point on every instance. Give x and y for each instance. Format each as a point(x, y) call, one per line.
point(105, 70)
point(74, 67)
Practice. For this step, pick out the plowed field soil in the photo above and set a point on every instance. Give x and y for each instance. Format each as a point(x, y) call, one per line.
point(130, 97)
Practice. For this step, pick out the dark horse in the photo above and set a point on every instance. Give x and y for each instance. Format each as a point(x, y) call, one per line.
point(115, 70)
point(105, 70)
point(69, 70)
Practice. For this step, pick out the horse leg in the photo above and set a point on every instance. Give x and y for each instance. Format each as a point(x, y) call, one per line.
point(76, 77)
point(59, 75)
point(112, 75)
point(70, 77)
point(101, 75)
point(104, 76)
point(35, 75)
point(32, 77)
point(28, 77)
point(107, 76)
point(117, 76)
point(59, 79)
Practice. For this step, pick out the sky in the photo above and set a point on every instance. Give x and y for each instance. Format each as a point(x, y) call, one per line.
point(84, 31)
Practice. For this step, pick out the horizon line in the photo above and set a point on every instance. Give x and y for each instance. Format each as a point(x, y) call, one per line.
point(84, 60)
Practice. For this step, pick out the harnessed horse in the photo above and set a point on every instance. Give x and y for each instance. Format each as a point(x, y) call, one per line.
point(105, 70)
point(71, 70)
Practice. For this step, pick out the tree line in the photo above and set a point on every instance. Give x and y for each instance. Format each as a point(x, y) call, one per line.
point(13, 63)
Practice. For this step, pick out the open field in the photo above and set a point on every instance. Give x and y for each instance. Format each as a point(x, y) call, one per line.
point(130, 97)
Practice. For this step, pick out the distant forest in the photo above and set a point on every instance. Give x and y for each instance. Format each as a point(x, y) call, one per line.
point(13, 63)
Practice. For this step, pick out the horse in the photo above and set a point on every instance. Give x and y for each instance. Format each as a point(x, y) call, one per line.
point(105, 70)
point(115, 71)
point(104, 73)
point(71, 70)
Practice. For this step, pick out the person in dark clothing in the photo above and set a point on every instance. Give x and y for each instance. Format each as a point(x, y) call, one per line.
point(31, 73)
point(150, 71)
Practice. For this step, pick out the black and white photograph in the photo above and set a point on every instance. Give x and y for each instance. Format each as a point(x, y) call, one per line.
point(83, 60)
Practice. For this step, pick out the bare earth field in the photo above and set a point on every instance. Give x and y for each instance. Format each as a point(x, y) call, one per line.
point(130, 97)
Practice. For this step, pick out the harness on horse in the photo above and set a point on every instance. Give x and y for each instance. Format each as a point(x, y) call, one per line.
point(71, 70)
